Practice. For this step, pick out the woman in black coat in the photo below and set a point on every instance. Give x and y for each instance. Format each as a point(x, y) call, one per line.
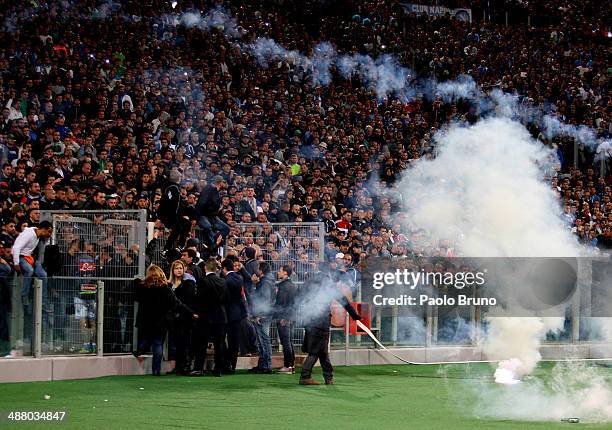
point(156, 306)
point(184, 287)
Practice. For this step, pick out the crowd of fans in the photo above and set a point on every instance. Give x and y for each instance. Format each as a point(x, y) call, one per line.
point(102, 101)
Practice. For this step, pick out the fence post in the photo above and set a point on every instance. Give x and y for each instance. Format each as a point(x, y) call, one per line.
point(37, 318)
point(100, 319)
point(346, 339)
point(142, 242)
point(134, 328)
point(321, 242)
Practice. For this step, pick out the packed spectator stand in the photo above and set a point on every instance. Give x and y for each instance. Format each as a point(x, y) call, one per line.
point(101, 103)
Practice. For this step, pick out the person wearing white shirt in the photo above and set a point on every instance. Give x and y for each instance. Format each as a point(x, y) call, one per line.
point(24, 261)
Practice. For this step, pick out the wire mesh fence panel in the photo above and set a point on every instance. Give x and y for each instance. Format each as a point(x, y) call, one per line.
point(299, 245)
point(155, 246)
point(16, 318)
point(94, 246)
point(69, 324)
point(119, 314)
point(108, 245)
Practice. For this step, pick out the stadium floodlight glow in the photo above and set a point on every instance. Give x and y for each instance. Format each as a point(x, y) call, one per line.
point(174, 3)
point(609, 33)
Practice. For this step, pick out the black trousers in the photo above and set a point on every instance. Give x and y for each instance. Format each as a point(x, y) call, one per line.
point(181, 337)
point(316, 345)
point(234, 336)
point(202, 335)
point(248, 341)
point(284, 333)
point(179, 230)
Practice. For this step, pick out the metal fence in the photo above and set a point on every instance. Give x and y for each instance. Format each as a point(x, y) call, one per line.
point(88, 307)
point(101, 254)
point(299, 245)
point(101, 244)
point(16, 319)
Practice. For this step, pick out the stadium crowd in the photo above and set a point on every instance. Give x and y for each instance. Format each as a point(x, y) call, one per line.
point(101, 103)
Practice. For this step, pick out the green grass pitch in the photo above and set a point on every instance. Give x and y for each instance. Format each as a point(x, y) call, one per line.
point(364, 397)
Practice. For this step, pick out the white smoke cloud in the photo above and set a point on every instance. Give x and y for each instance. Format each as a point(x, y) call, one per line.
point(485, 191)
point(574, 390)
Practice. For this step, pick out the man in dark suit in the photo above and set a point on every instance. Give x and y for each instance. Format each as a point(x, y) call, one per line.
point(212, 299)
point(236, 311)
point(208, 207)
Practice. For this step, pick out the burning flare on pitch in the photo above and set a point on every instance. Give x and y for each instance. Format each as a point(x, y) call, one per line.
point(507, 372)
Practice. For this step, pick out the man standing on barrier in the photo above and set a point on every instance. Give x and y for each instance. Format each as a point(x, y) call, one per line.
point(25, 260)
point(172, 214)
point(208, 207)
point(319, 294)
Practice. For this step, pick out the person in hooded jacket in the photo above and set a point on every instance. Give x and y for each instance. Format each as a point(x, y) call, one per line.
point(172, 214)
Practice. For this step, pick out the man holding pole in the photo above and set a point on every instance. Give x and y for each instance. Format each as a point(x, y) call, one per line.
point(321, 291)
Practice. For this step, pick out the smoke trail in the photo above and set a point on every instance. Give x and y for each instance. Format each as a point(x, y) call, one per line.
point(267, 51)
point(463, 88)
point(383, 75)
point(105, 10)
point(387, 77)
point(217, 18)
point(553, 127)
point(323, 57)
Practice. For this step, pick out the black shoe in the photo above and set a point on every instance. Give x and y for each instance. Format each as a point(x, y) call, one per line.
point(216, 373)
point(264, 371)
point(254, 370)
point(228, 372)
point(172, 372)
point(196, 373)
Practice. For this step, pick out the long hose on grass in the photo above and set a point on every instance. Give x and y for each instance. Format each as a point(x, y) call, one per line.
point(369, 333)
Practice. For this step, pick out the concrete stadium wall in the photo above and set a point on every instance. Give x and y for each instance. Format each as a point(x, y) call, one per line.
point(60, 368)
point(461, 353)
